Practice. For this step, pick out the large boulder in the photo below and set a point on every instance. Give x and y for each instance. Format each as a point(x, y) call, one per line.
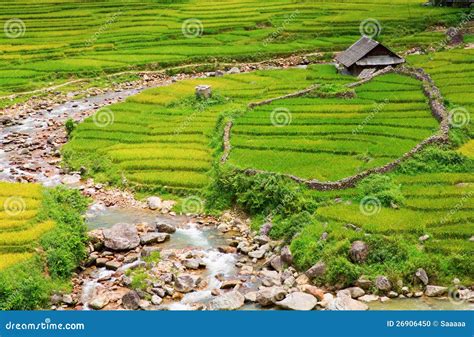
point(131, 300)
point(317, 270)
point(298, 301)
point(121, 236)
point(434, 291)
point(164, 227)
point(185, 283)
point(382, 283)
point(232, 300)
point(359, 252)
point(154, 203)
point(344, 301)
point(152, 238)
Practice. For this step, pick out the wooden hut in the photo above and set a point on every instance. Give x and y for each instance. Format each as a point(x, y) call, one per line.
point(367, 56)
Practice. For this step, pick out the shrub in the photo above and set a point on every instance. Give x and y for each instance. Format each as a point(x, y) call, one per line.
point(286, 229)
point(341, 272)
point(70, 126)
point(381, 187)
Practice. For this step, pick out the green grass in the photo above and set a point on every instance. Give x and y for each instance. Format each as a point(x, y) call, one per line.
point(69, 39)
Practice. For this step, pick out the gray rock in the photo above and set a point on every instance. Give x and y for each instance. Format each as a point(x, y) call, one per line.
point(99, 302)
point(423, 238)
point(232, 300)
point(343, 301)
point(156, 300)
point(317, 270)
point(192, 263)
point(359, 252)
point(266, 228)
point(369, 298)
point(270, 295)
point(422, 276)
point(113, 265)
point(131, 300)
point(67, 299)
point(251, 297)
point(203, 91)
point(152, 238)
point(286, 256)
point(71, 180)
point(185, 283)
point(382, 283)
point(277, 263)
point(121, 236)
point(154, 203)
point(261, 239)
point(363, 282)
point(257, 254)
point(298, 301)
point(165, 227)
point(356, 292)
point(434, 291)
point(233, 70)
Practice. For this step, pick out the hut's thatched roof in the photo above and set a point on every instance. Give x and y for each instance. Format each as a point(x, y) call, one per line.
point(357, 51)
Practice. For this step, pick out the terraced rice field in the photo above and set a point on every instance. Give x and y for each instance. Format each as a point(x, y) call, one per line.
point(440, 205)
point(332, 138)
point(62, 40)
point(159, 139)
point(19, 229)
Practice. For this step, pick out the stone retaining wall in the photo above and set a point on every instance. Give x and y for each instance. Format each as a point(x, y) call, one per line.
point(437, 109)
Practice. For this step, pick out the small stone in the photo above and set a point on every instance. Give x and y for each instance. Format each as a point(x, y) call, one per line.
point(154, 203)
point(302, 279)
point(298, 301)
point(229, 284)
point(368, 298)
point(203, 91)
point(113, 265)
point(257, 254)
point(417, 294)
point(356, 292)
point(251, 297)
point(392, 294)
point(286, 255)
point(317, 270)
point(359, 252)
point(131, 300)
point(364, 283)
point(152, 238)
point(423, 238)
point(266, 228)
point(101, 261)
point(233, 70)
point(223, 228)
point(315, 291)
point(99, 302)
point(384, 299)
point(156, 300)
point(165, 228)
point(277, 263)
point(229, 301)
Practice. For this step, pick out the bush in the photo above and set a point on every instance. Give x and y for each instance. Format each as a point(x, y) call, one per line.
point(341, 272)
point(286, 229)
point(381, 187)
point(259, 194)
point(70, 126)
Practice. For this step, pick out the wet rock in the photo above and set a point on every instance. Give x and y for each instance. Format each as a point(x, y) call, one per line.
point(131, 300)
point(192, 263)
point(232, 300)
point(434, 291)
point(251, 296)
point(343, 301)
point(99, 302)
point(356, 292)
point(113, 265)
point(154, 203)
point(358, 252)
point(317, 270)
point(422, 276)
point(227, 249)
point(382, 283)
point(152, 238)
point(298, 301)
point(185, 283)
point(163, 227)
point(121, 236)
point(286, 256)
point(230, 284)
point(270, 295)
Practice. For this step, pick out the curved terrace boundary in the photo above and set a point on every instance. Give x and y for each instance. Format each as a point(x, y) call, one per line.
point(437, 109)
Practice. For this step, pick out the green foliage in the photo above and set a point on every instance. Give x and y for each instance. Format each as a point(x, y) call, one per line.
point(259, 194)
point(70, 125)
point(64, 246)
point(381, 187)
point(154, 257)
point(341, 272)
point(436, 160)
point(285, 229)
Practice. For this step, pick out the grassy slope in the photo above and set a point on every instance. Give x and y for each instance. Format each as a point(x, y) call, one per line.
point(67, 39)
